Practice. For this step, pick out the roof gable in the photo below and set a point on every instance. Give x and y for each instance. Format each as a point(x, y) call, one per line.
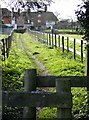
point(49, 16)
point(6, 12)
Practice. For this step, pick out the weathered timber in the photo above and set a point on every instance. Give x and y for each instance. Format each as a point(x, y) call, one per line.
point(50, 81)
point(29, 86)
point(63, 86)
point(36, 99)
point(67, 44)
point(74, 49)
point(63, 44)
point(82, 51)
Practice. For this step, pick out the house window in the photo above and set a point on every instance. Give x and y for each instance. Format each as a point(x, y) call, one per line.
point(32, 23)
point(39, 15)
point(39, 21)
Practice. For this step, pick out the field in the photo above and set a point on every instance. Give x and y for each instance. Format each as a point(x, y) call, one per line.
point(56, 62)
point(3, 36)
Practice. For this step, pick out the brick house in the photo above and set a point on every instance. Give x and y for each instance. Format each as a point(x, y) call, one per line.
point(40, 19)
point(37, 20)
point(6, 16)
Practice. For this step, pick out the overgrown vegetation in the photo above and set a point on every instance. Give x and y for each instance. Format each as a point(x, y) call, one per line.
point(55, 61)
point(13, 73)
point(61, 64)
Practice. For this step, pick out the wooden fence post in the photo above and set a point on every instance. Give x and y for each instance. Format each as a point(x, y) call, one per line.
point(82, 51)
point(3, 49)
point(55, 40)
point(67, 44)
point(52, 40)
point(59, 41)
point(7, 47)
point(63, 86)
point(43, 36)
point(87, 73)
point(29, 86)
point(74, 49)
point(62, 43)
point(49, 39)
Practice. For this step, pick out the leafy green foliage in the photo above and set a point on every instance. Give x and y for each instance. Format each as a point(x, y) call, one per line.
point(48, 112)
point(80, 107)
point(83, 17)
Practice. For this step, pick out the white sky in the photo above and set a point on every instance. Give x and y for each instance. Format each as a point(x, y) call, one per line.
point(66, 8)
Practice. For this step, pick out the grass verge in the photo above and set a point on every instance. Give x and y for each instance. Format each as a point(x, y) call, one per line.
point(61, 64)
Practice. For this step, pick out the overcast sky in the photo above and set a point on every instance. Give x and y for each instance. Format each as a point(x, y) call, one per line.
point(66, 8)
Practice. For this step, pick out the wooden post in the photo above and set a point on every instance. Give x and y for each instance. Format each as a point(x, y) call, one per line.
point(55, 40)
point(3, 49)
point(82, 51)
point(59, 40)
point(43, 36)
point(49, 39)
point(29, 86)
point(7, 47)
point(52, 40)
point(67, 44)
point(74, 49)
point(62, 43)
point(63, 86)
point(87, 73)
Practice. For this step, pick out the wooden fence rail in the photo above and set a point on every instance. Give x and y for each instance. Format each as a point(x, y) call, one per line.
point(30, 98)
point(5, 45)
point(55, 40)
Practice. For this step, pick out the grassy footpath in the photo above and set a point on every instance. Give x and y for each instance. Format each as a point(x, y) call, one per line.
point(12, 74)
point(15, 65)
point(55, 61)
point(61, 64)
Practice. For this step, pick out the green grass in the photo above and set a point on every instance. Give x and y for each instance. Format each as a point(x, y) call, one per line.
point(15, 65)
point(71, 42)
point(3, 36)
point(59, 64)
point(13, 70)
point(76, 36)
point(62, 30)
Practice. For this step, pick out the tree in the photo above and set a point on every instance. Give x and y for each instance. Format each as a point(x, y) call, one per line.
point(27, 4)
point(83, 17)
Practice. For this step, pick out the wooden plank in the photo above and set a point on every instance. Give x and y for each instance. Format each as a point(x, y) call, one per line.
point(36, 99)
point(50, 81)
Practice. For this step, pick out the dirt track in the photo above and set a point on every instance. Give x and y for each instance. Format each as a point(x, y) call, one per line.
point(43, 70)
